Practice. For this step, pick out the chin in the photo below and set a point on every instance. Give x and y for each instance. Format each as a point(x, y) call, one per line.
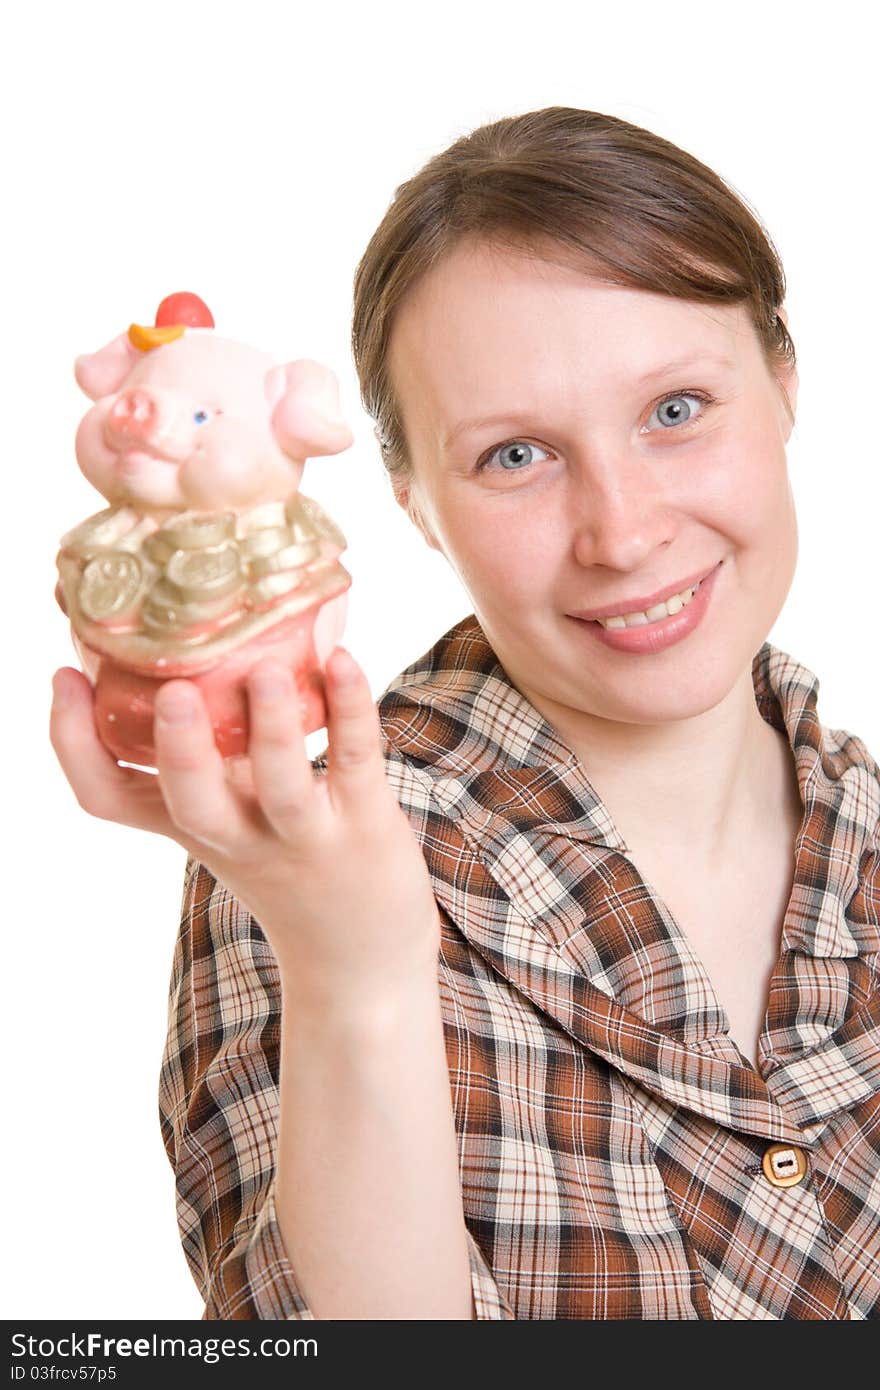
point(686, 681)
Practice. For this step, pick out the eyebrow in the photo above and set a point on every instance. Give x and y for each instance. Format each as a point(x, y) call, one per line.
point(693, 359)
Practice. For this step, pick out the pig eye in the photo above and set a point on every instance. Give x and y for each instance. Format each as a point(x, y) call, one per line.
point(200, 416)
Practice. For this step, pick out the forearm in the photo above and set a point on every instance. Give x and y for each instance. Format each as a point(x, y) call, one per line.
point(367, 1185)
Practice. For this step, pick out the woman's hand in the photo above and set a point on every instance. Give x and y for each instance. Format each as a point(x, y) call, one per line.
point(328, 866)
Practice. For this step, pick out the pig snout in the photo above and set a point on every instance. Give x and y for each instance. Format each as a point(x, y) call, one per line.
point(133, 417)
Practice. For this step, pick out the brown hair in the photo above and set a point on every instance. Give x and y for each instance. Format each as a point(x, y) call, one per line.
point(646, 212)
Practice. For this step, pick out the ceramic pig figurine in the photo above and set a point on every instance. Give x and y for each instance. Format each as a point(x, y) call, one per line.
point(208, 557)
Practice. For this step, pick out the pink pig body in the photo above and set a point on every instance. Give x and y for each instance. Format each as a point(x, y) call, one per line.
point(207, 557)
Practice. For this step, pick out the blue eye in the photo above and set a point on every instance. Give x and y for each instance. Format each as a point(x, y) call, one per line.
point(670, 413)
point(200, 417)
point(513, 456)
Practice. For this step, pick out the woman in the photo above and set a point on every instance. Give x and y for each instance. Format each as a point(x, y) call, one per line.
point(548, 993)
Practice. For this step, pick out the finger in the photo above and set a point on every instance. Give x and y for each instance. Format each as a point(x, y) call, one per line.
point(100, 785)
point(356, 766)
point(192, 777)
point(240, 775)
point(281, 771)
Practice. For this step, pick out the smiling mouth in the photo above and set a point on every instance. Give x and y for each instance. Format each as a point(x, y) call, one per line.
point(139, 458)
point(654, 613)
point(667, 609)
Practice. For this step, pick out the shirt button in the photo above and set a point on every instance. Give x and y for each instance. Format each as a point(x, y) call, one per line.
point(784, 1165)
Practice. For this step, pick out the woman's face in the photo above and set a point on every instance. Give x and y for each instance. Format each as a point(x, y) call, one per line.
point(562, 464)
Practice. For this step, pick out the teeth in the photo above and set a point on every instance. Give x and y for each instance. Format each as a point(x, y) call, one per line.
point(660, 610)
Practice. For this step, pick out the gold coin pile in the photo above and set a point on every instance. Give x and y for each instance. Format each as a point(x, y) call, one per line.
point(304, 514)
point(190, 531)
point(194, 569)
point(202, 577)
point(112, 585)
point(115, 528)
point(278, 552)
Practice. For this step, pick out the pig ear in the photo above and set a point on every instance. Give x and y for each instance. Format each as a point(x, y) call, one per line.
point(100, 373)
point(306, 416)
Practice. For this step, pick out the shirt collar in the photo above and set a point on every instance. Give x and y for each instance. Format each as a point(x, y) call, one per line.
point(456, 713)
point(571, 930)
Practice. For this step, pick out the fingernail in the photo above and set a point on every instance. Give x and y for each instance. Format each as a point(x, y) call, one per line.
point(345, 670)
point(176, 708)
point(60, 692)
point(268, 682)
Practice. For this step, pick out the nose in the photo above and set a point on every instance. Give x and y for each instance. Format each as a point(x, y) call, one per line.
point(133, 415)
point(618, 528)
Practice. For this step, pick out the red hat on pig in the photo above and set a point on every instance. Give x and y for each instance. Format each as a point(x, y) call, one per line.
point(175, 314)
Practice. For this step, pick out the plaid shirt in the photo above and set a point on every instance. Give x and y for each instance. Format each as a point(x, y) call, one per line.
point(611, 1134)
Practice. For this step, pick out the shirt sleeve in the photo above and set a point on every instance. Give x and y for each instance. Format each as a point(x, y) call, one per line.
point(218, 1107)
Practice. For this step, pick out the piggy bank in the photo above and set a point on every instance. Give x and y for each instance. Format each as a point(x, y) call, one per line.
point(208, 557)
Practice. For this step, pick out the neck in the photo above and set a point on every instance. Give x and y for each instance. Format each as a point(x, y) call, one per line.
point(690, 788)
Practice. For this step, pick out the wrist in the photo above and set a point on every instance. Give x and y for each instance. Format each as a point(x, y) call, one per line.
point(375, 1003)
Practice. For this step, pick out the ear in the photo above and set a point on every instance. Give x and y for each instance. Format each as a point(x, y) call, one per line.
point(788, 379)
point(792, 382)
point(101, 373)
point(306, 416)
point(787, 386)
point(404, 498)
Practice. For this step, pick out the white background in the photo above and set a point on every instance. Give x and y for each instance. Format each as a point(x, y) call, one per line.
point(247, 152)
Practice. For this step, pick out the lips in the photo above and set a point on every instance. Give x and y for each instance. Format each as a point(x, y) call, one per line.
point(644, 602)
point(651, 638)
point(143, 456)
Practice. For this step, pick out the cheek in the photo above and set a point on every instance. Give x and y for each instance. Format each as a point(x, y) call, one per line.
point(94, 457)
point(503, 551)
point(216, 476)
point(229, 465)
point(748, 491)
point(753, 508)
